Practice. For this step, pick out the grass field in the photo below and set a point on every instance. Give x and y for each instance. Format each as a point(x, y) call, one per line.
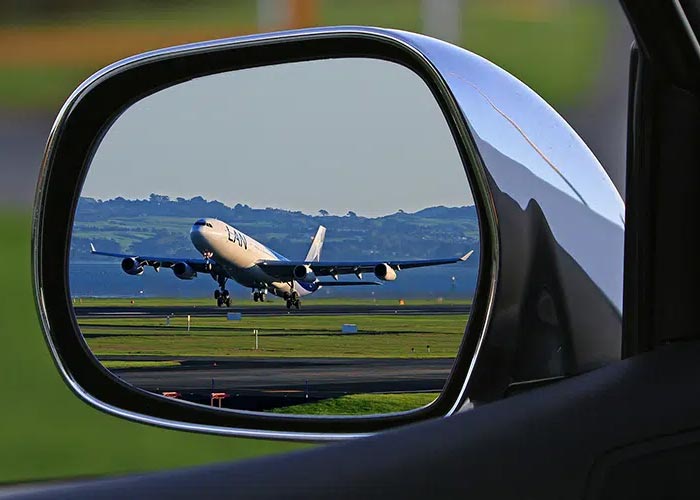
point(286, 336)
point(362, 404)
point(121, 365)
point(553, 47)
point(45, 431)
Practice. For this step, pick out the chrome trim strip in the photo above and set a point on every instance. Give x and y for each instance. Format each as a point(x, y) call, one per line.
point(687, 27)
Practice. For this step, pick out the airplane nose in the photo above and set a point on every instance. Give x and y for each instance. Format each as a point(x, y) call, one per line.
point(198, 233)
point(205, 234)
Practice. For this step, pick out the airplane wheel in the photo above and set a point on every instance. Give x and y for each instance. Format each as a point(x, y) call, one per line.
point(256, 296)
point(289, 304)
point(217, 294)
point(219, 301)
point(226, 294)
point(297, 304)
point(228, 302)
point(262, 297)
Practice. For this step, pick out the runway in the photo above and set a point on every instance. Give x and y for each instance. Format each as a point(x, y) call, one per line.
point(267, 310)
point(264, 383)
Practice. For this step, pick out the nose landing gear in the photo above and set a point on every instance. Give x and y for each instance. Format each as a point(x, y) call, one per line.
point(207, 263)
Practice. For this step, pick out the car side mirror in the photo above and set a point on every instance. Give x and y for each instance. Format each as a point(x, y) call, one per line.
point(547, 232)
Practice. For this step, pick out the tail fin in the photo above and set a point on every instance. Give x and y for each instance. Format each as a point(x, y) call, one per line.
point(314, 254)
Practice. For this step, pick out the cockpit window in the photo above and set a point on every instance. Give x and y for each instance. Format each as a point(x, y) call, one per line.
point(200, 223)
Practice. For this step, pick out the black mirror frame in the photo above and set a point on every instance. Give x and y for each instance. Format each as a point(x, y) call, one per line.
point(84, 119)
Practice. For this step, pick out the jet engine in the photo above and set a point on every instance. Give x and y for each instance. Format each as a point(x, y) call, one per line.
point(184, 271)
point(304, 273)
point(384, 272)
point(132, 266)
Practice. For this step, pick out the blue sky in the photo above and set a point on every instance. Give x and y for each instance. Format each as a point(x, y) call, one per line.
point(336, 134)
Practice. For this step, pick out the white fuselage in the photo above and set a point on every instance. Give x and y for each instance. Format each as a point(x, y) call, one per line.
point(238, 254)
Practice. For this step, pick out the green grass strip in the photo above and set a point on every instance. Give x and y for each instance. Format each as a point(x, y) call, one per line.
point(362, 404)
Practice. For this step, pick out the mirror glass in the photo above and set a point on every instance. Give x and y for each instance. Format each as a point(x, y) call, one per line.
point(294, 239)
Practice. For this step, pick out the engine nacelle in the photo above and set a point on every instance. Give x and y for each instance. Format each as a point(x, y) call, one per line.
point(184, 271)
point(304, 273)
point(384, 272)
point(131, 266)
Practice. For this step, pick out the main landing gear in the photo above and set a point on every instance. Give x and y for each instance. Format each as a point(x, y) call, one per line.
point(259, 296)
point(222, 296)
point(293, 300)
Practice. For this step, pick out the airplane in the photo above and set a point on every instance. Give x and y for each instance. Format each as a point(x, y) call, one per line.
point(231, 254)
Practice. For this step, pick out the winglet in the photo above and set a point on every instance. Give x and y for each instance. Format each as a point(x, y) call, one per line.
point(466, 255)
point(92, 248)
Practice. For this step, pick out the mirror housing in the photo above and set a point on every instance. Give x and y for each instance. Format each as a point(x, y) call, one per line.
point(549, 294)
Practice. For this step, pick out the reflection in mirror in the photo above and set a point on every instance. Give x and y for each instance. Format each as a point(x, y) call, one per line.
point(293, 239)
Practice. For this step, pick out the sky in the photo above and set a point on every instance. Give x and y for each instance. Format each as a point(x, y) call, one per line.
point(337, 134)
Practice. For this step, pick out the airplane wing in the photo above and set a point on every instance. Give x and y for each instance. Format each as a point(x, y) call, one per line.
point(157, 262)
point(284, 269)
